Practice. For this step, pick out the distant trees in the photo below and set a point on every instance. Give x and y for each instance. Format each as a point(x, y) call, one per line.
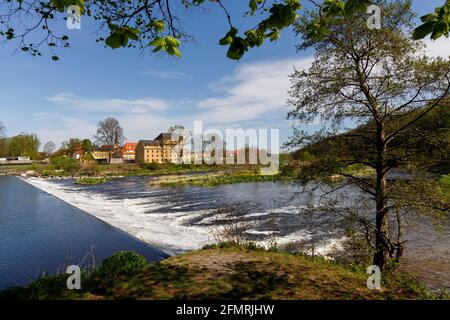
point(3, 141)
point(25, 145)
point(49, 148)
point(2, 130)
point(175, 128)
point(109, 132)
point(87, 146)
point(71, 145)
point(379, 78)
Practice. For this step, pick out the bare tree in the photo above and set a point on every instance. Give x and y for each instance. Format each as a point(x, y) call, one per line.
point(49, 148)
point(175, 128)
point(109, 132)
point(2, 130)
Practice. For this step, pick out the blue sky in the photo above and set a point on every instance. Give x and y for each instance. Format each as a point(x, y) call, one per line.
point(148, 93)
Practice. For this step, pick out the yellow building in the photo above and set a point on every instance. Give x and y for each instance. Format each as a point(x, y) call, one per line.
point(158, 150)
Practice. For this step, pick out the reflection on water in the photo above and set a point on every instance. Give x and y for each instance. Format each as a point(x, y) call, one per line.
point(185, 218)
point(39, 233)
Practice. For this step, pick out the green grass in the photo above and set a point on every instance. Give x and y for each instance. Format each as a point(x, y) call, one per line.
point(90, 181)
point(445, 180)
point(224, 271)
point(128, 169)
point(215, 179)
point(359, 170)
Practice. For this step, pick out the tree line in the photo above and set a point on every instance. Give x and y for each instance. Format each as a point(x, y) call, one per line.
point(109, 132)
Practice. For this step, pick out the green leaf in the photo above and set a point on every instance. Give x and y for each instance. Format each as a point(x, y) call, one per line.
point(113, 41)
point(228, 39)
point(158, 25)
point(59, 5)
point(351, 6)
point(172, 42)
point(440, 28)
point(237, 48)
point(174, 51)
point(253, 5)
point(225, 40)
point(158, 42)
point(423, 30)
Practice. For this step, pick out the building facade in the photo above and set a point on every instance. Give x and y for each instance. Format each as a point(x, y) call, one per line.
point(129, 152)
point(159, 150)
point(107, 154)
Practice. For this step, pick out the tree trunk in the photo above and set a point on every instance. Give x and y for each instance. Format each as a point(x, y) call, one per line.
point(381, 255)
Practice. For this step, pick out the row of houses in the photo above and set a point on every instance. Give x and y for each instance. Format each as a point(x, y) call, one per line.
point(159, 150)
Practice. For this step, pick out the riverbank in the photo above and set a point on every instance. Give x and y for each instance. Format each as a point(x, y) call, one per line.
point(226, 271)
point(165, 174)
point(216, 179)
point(110, 170)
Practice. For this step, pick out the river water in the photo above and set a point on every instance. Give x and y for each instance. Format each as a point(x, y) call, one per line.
point(42, 234)
point(186, 218)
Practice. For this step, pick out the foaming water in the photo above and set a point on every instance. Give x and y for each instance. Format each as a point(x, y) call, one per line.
point(183, 219)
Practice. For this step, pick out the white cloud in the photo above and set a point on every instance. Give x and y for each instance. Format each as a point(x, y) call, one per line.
point(165, 74)
point(252, 91)
point(437, 48)
point(142, 105)
point(59, 128)
point(254, 94)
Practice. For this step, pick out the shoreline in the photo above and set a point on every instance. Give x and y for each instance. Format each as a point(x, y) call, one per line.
point(192, 275)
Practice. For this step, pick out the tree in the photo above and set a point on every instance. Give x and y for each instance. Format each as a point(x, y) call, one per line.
point(175, 128)
point(49, 148)
point(109, 132)
point(158, 24)
point(71, 145)
point(25, 144)
point(381, 80)
point(435, 24)
point(87, 146)
point(2, 130)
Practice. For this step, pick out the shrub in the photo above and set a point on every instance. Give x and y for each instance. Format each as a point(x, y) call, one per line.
point(64, 163)
point(90, 181)
point(124, 262)
point(151, 166)
point(48, 287)
point(89, 168)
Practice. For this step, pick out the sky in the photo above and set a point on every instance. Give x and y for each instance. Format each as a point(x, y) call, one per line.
point(147, 92)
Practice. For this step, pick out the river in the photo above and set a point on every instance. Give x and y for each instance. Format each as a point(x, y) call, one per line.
point(42, 234)
point(180, 219)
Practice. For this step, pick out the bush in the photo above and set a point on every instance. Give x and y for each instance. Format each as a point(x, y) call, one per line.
point(151, 166)
point(64, 163)
point(121, 263)
point(90, 181)
point(89, 168)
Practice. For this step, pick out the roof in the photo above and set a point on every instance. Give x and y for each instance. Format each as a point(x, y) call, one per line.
point(106, 147)
point(149, 143)
point(164, 136)
point(130, 145)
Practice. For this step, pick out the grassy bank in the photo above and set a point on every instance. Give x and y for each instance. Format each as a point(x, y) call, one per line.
point(168, 174)
point(215, 179)
point(114, 170)
point(226, 271)
point(90, 181)
point(445, 181)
